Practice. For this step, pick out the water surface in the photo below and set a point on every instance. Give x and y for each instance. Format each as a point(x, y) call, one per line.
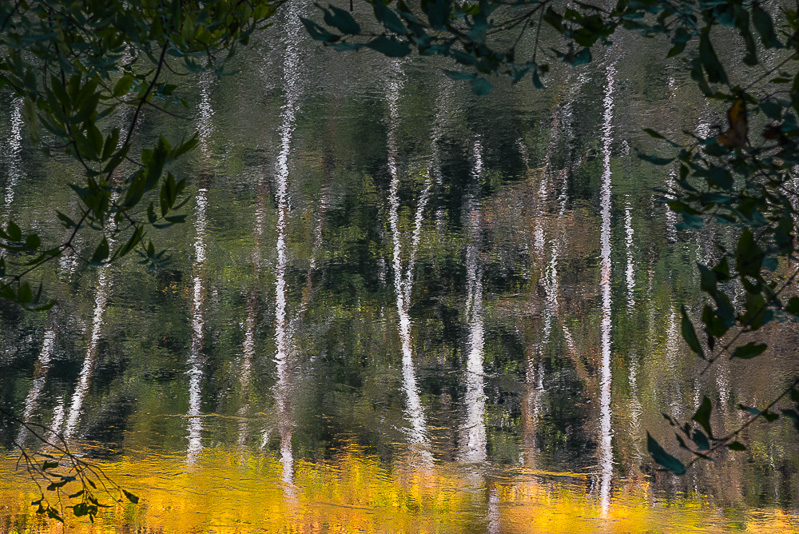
point(395, 307)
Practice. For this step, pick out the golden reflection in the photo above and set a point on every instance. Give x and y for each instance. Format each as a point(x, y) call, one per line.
point(355, 492)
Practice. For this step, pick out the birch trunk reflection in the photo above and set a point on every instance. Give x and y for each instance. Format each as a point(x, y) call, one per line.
point(283, 356)
point(15, 173)
point(262, 191)
point(403, 278)
point(39, 375)
point(605, 424)
point(90, 359)
point(550, 236)
point(195, 361)
point(98, 318)
point(473, 444)
point(13, 154)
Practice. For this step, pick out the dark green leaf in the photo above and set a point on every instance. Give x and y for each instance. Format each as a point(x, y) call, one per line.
point(13, 231)
point(536, 80)
point(769, 416)
point(689, 335)
point(437, 12)
point(68, 223)
point(32, 242)
point(709, 60)
point(756, 313)
point(346, 47)
point(100, 253)
point(52, 513)
point(25, 294)
point(748, 256)
point(765, 27)
point(389, 46)
point(679, 40)
point(341, 20)
point(131, 497)
point(771, 109)
point(455, 75)
point(317, 32)
point(702, 415)
point(736, 446)
point(481, 86)
point(580, 58)
point(700, 439)
point(653, 133)
point(793, 415)
point(389, 19)
point(110, 144)
point(750, 350)
point(793, 306)
point(123, 85)
point(753, 411)
point(653, 159)
point(662, 457)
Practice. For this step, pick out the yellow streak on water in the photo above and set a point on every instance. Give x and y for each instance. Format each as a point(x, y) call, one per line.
point(227, 493)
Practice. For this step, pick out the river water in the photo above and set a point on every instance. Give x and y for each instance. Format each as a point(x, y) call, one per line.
point(395, 306)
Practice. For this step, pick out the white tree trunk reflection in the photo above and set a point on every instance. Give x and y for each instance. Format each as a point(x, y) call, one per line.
point(195, 361)
point(473, 444)
point(605, 423)
point(291, 76)
point(40, 375)
point(403, 278)
point(13, 153)
point(90, 360)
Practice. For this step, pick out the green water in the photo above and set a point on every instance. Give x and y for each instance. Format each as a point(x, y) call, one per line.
point(471, 297)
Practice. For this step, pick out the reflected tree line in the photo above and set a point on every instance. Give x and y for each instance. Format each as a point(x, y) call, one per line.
point(470, 295)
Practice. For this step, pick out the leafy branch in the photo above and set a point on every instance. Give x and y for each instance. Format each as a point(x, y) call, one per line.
point(60, 474)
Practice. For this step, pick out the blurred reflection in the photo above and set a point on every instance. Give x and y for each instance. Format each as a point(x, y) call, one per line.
point(195, 361)
point(605, 424)
point(403, 278)
point(13, 155)
point(628, 240)
point(473, 444)
point(283, 387)
point(90, 359)
point(40, 374)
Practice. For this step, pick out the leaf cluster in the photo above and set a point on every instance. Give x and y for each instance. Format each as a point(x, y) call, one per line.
point(64, 479)
point(78, 65)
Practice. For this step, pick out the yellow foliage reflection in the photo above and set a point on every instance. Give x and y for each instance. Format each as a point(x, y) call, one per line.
point(226, 492)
